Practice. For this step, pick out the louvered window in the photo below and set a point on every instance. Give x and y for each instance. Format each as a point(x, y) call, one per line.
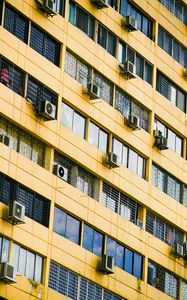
point(15, 23)
point(23, 142)
point(89, 290)
point(45, 45)
point(163, 230)
point(176, 7)
point(163, 280)
point(171, 91)
point(77, 69)
point(12, 76)
point(172, 46)
point(145, 25)
point(110, 296)
point(119, 203)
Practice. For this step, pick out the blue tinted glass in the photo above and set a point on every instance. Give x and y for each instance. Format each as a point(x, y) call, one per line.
point(123, 8)
point(59, 221)
point(73, 229)
point(111, 247)
point(128, 260)
point(120, 256)
point(98, 243)
point(72, 13)
point(137, 267)
point(88, 238)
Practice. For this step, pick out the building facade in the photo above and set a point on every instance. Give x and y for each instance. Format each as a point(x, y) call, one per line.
point(93, 127)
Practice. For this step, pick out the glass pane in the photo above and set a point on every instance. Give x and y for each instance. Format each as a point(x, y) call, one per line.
point(128, 261)
point(137, 265)
point(73, 229)
point(38, 268)
point(124, 155)
point(181, 100)
point(88, 238)
point(81, 19)
point(111, 46)
point(103, 141)
point(67, 116)
point(59, 222)
point(179, 143)
point(102, 36)
point(98, 243)
point(140, 170)
point(79, 125)
point(111, 248)
point(30, 265)
point(120, 256)
point(117, 148)
point(93, 136)
point(15, 257)
point(5, 250)
point(171, 139)
point(22, 261)
point(133, 161)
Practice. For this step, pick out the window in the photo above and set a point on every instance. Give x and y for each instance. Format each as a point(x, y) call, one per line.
point(11, 76)
point(60, 4)
point(92, 240)
point(77, 69)
point(145, 25)
point(171, 91)
point(81, 19)
point(163, 230)
point(45, 45)
point(184, 290)
point(63, 280)
point(177, 8)
point(119, 203)
point(85, 182)
point(15, 23)
point(27, 263)
point(66, 225)
point(143, 68)
point(37, 92)
point(124, 258)
point(73, 120)
point(23, 142)
point(127, 105)
point(106, 87)
point(129, 158)
point(4, 249)
point(106, 39)
point(167, 183)
point(175, 143)
point(163, 280)
point(172, 46)
point(76, 287)
point(98, 137)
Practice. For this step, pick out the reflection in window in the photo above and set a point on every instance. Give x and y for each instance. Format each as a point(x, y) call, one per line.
point(98, 137)
point(106, 39)
point(92, 240)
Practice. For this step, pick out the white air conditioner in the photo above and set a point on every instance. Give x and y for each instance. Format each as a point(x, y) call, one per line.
point(178, 250)
point(47, 110)
point(161, 143)
point(100, 3)
point(129, 23)
point(16, 213)
point(140, 223)
point(4, 139)
point(128, 69)
point(61, 171)
point(133, 122)
point(185, 73)
point(7, 273)
point(157, 133)
point(93, 90)
point(49, 7)
point(111, 160)
point(107, 264)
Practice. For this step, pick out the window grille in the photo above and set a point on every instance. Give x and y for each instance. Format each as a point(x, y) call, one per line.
point(106, 87)
point(11, 76)
point(172, 46)
point(45, 45)
point(171, 91)
point(36, 207)
point(23, 142)
point(163, 280)
point(177, 8)
point(163, 230)
point(77, 69)
point(76, 287)
point(119, 203)
point(4, 249)
point(15, 23)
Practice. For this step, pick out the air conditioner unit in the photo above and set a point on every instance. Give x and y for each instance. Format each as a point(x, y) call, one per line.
point(139, 223)
point(107, 264)
point(161, 143)
point(185, 249)
point(157, 133)
point(4, 139)
point(111, 160)
point(49, 7)
point(7, 273)
point(185, 73)
point(178, 250)
point(47, 110)
point(61, 171)
point(133, 122)
point(128, 69)
point(93, 90)
point(100, 3)
point(129, 23)
point(16, 213)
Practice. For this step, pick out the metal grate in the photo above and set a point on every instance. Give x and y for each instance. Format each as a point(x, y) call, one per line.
point(119, 203)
